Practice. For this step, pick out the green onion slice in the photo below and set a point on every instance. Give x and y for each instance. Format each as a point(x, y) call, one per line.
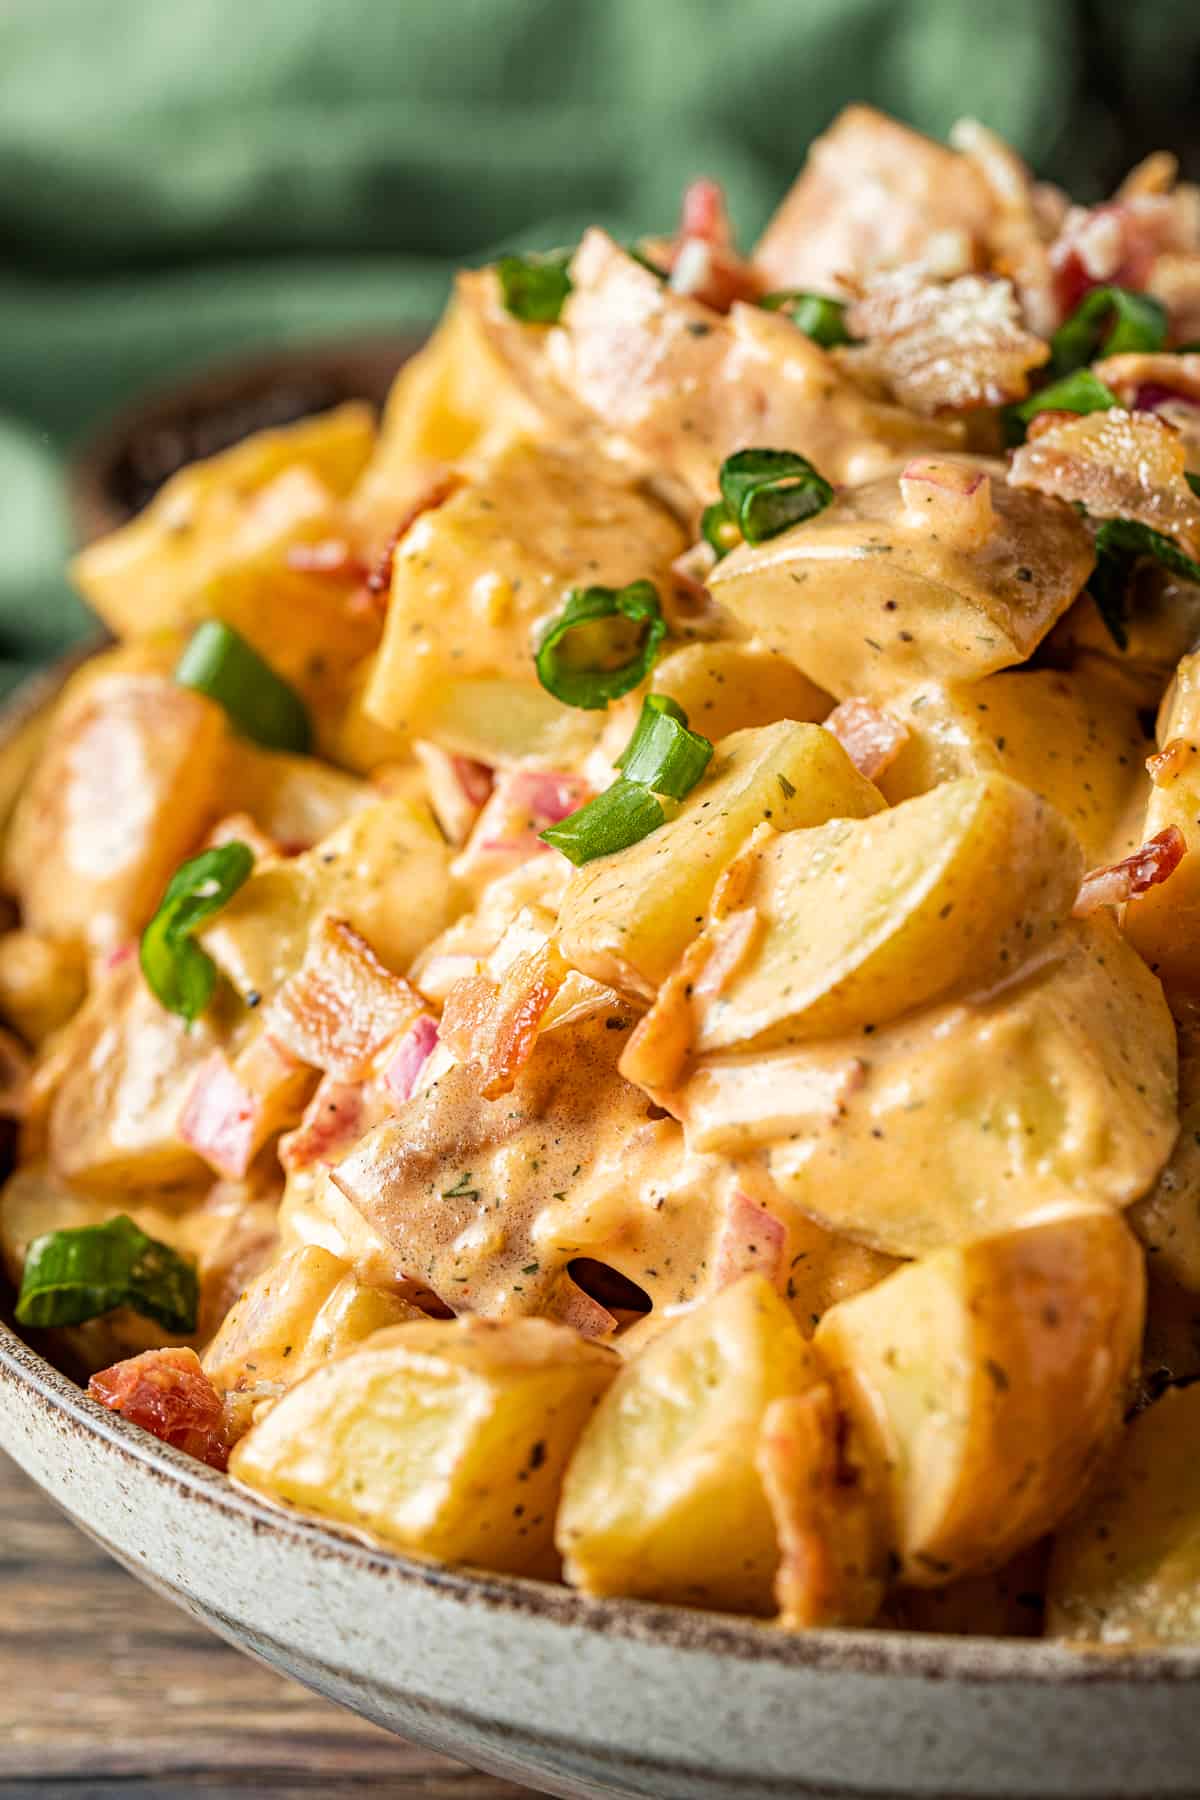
point(622, 815)
point(591, 684)
point(179, 973)
point(663, 754)
point(533, 288)
point(1110, 320)
point(1081, 392)
point(72, 1276)
point(1193, 481)
point(718, 527)
point(220, 663)
point(767, 491)
point(1119, 542)
point(816, 315)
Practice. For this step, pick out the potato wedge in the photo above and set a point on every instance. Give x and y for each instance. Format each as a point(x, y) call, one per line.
point(861, 920)
point(662, 1498)
point(1167, 1220)
point(962, 1119)
point(1076, 739)
point(475, 580)
point(303, 1309)
point(994, 1378)
point(447, 1437)
point(1164, 922)
point(384, 870)
point(42, 982)
point(866, 599)
point(626, 919)
point(134, 772)
point(216, 514)
point(725, 687)
point(1126, 1569)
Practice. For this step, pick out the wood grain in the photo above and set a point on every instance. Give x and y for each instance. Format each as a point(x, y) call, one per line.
point(107, 1691)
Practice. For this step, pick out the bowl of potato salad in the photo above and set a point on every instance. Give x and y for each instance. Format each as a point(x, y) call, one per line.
point(601, 1026)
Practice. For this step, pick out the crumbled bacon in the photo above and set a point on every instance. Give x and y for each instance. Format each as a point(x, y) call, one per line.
point(752, 1241)
point(1026, 216)
point(495, 1023)
point(522, 804)
point(1175, 280)
point(1120, 242)
point(333, 1121)
point(168, 1394)
point(1148, 867)
point(704, 213)
point(1145, 380)
point(1169, 763)
point(341, 1006)
point(458, 789)
point(871, 737)
point(944, 348)
point(232, 1108)
point(828, 1517)
point(401, 1070)
point(731, 941)
point(1117, 464)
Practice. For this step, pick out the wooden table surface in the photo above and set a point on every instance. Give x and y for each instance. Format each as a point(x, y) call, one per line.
point(107, 1691)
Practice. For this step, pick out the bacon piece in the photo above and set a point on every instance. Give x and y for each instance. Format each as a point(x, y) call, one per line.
point(1120, 242)
point(1149, 866)
point(1175, 280)
point(522, 804)
point(401, 1071)
point(871, 196)
point(829, 1517)
point(168, 1394)
point(1026, 217)
point(871, 737)
point(1158, 382)
point(334, 1120)
point(1169, 763)
point(704, 213)
point(944, 348)
point(730, 941)
point(752, 1241)
point(495, 1023)
point(1118, 464)
point(232, 1108)
point(458, 789)
point(568, 1303)
point(341, 1006)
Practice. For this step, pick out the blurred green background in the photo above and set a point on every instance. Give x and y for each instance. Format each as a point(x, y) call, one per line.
point(179, 183)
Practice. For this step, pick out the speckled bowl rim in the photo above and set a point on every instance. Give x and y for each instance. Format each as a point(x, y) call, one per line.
point(923, 1655)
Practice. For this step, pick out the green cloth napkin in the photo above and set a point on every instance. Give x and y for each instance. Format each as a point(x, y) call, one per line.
point(180, 183)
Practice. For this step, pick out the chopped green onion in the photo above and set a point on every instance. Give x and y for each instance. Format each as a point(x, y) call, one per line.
point(1193, 481)
point(663, 754)
point(1081, 392)
point(1188, 349)
point(533, 288)
point(623, 814)
point(179, 973)
point(767, 491)
point(593, 684)
point(1119, 542)
point(816, 315)
point(1110, 320)
point(718, 527)
point(72, 1276)
point(220, 663)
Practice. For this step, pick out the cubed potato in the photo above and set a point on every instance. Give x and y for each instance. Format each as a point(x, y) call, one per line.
point(501, 721)
point(447, 1438)
point(133, 774)
point(384, 870)
point(303, 1309)
point(1162, 624)
point(1164, 922)
point(471, 593)
point(628, 918)
point(451, 397)
point(861, 920)
point(42, 982)
point(296, 800)
point(962, 1119)
point(128, 1069)
point(1167, 1220)
point(216, 514)
point(724, 687)
point(662, 1498)
point(1074, 738)
point(994, 1378)
point(1126, 1569)
point(866, 599)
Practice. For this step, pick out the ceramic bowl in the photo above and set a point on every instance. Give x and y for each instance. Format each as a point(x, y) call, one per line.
point(580, 1697)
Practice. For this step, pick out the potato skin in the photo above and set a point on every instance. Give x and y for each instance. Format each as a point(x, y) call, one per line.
point(994, 1378)
point(447, 1438)
point(662, 1498)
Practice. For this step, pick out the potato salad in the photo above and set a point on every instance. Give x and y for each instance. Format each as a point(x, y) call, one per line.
point(603, 981)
